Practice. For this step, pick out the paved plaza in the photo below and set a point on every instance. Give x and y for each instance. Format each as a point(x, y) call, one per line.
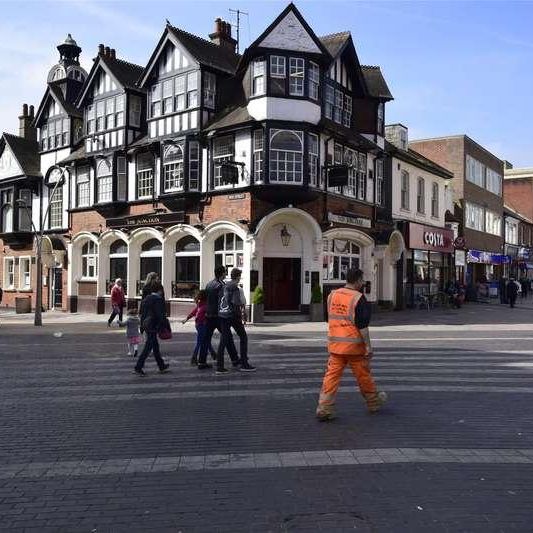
point(86, 446)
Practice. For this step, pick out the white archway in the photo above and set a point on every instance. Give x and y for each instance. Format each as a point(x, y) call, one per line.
point(76, 273)
point(107, 239)
point(138, 237)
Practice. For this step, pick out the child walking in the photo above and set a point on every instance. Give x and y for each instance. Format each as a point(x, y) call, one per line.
point(132, 332)
point(201, 327)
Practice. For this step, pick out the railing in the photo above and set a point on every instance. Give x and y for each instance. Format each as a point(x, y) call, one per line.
point(140, 285)
point(110, 282)
point(184, 289)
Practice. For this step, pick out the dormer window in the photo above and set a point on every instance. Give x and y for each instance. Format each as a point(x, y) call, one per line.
point(258, 77)
point(296, 76)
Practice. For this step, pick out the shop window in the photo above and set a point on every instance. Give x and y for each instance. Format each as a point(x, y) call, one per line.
point(286, 155)
point(89, 260)
point(229, 251)
point(187, 280)
point(104, 182)
point(339, 256)
point(173, 168)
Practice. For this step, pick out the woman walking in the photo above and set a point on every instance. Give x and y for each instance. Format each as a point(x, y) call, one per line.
point(118, 300)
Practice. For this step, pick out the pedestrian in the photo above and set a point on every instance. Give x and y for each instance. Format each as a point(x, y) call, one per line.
point(153, 318)
point(200, 322)
point(153, 279)
point(117, 302)
point(524, 286)
point(348, 344)
point(133, 333)
point(214, 293)
point(232, 314)
point(512, 291)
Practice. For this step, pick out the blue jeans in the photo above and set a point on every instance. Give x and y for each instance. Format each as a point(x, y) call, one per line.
point(202, 343)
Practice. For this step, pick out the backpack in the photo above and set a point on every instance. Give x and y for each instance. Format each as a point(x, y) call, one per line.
point(226, 308)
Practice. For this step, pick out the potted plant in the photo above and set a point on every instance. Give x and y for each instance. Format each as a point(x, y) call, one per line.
point(258, 300)
point(316, 307)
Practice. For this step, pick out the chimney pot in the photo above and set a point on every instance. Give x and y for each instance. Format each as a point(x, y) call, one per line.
point(25, 110)
point(106, 51)
point(112, 53)
point(218, 25)
point(101, 49)
point(32, 111)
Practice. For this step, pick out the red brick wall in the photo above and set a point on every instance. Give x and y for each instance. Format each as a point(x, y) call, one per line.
point(224, 208)
point(518, 194)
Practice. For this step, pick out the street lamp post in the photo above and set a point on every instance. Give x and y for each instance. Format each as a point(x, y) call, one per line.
point(39, 235)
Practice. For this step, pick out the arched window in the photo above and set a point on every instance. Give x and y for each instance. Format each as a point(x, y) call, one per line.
point(173, 168)
point(229, 251)
point(339, 256)
point(152, 245)
point(151, 260)
point(286, 155)
point(104, 182)
point(187, 280)
point(118, 263)
point(89, 260)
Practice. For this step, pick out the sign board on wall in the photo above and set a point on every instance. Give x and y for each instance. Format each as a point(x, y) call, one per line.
point(151, 219)
point(430, 238)
point(351, 221)
point(460, 258)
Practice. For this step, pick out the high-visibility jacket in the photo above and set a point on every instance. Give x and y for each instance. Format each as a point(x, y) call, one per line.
point(344, 337)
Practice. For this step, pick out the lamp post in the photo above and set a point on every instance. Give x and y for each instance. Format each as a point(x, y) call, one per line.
point(39, 235)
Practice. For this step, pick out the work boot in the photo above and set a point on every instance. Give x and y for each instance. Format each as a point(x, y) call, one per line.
point(324, 414)
point(375, 401)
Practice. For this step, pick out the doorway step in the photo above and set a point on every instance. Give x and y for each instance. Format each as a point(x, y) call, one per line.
point(284, 317)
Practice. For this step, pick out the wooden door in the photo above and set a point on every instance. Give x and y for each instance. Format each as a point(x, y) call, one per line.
point(281, 281)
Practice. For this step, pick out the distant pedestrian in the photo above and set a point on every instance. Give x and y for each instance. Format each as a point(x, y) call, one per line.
point(214, 291)
point(200, 321)
point(348, 344)
point(512, 291)
point(117, 302)
point(133, 333)
point(524, 284)
point(232, 314)
point(153, 317)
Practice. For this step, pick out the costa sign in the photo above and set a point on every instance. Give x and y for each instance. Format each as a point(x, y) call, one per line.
point(430, 238)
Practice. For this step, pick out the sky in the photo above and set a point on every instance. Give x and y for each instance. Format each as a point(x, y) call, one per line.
point(452, 67)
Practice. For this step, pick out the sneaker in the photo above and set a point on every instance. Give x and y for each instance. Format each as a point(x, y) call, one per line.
point(204, 366)
point(140, 373)
point(220, 371)
point(376, 401)
point(165, 369)
point(194, 361)
point(247, 367)
point(324, 416)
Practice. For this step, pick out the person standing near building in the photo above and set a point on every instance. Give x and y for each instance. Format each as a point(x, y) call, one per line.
point(214, 293)
point(512, 291)
point(348, 344)
point(118, 300)
point(232, 314)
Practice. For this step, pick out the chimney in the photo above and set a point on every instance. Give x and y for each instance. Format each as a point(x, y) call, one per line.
point(106, 51)
point(397, 134)
point(112, 53)
point(26, 129)
point(100, 49)
point(222, 35)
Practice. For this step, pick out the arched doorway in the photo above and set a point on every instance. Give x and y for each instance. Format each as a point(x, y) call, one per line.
point(151, 260)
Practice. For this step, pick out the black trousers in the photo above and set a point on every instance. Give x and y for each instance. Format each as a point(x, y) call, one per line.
point(151, 345)
point(512, 299)
point(226, 341)
point(117, 310)
point(212, 323)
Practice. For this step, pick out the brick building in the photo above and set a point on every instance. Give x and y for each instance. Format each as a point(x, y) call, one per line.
point(478, 206)
point(204, 157)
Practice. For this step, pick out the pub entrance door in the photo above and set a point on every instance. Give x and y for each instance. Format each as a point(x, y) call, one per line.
point(282, 283)
point(56, 288)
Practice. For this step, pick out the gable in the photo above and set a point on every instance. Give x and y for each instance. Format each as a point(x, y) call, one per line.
point(9, 167)
point(99, 81)
point(290, 34)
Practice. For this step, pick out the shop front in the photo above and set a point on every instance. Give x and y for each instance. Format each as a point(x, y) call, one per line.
point(429, 262)
point(484, 272)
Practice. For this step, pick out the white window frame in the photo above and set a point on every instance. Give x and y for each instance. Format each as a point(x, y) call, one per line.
point(23, 273)
point(285, 162)
point(330, 101)
point(9, 273)
point(278, 67)
point(173, 167)
point(145, 179)
point(194, 166)
point(83, 187)
point(314, 80)
point(493, 223)
point(334, 258)
point(313, 152)
point(259, 155)
point(421, 196)
point(55, 219)
point(435, 200)
point(296, 76)
point(192, 89)
point(258, 77)
point(379, 181)
point(404, 190)
point(104, 182)
point(223, 151)
point(89, 260)
point(232, 255)
point(474, 216)
point(362, 172)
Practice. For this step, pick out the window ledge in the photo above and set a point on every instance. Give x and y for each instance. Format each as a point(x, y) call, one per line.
point(87, 280)
point(405, 210)
point(26, 289)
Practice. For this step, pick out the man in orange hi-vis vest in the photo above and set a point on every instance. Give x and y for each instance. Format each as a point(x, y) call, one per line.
point(348, 344)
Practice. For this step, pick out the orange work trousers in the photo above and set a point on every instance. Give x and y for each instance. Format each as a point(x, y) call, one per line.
point(336, 363)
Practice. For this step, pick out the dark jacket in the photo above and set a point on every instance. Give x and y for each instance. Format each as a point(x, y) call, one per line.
point(230, 304)
point(149, 289)
point(214, 291)
point(512, 288)
point(153, 313)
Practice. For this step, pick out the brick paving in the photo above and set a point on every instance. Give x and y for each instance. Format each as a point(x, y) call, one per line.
point(87, 446)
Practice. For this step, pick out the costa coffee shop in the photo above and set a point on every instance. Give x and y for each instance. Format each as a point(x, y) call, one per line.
point(429, 261)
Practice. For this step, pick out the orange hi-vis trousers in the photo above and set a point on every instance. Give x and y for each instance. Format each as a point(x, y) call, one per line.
point(336, 363)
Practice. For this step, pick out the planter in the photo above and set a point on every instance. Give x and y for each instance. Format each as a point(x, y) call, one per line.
point(22, 305)
point(316, 312)
point(257, 313)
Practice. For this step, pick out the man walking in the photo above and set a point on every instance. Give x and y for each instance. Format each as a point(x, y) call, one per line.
point(348, 344)
point(214, 293)
point(512, 291)
point(232, 314)
point(117, 302)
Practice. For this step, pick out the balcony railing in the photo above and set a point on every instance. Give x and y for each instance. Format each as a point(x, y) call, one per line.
point(184, 289)
point(110, 282)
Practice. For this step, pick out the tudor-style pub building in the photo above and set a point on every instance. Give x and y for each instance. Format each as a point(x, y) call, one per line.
point(271, 161)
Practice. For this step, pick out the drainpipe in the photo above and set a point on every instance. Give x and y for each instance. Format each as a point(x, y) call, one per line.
point(325, 210)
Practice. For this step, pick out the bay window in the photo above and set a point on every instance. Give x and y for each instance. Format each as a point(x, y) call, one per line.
point(330, 101)
point(313, 159)
point(347, 114)
point(278, 75)
point(361, 176)
point(314, 80)
point(155, 100)
point(25, 210)
point(135, 111)
point(7, 210)
point(337, 110)
point(100, 115)
point(352, 160)
point(258, 77)
point(104, 182)
point(168, 97)
point(192, 89)
point(194, 166)
point(296, 76)
point(223, 151)
point(179, 93)
point(286, 155)
point(173, 168)
point(145, 175)
point(110, 113)
point(259, 155)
